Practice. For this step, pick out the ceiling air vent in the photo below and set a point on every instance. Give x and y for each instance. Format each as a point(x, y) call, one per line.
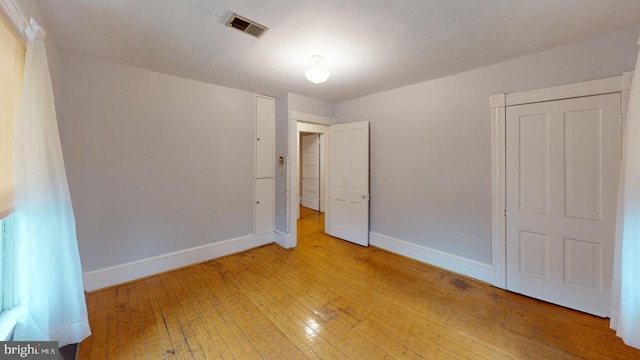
point(247, 26)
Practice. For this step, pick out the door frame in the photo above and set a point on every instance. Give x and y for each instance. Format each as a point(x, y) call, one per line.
point(293, 177)
point(498, 104)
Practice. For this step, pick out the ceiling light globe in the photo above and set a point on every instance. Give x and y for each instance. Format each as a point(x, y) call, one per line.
point(317, 74)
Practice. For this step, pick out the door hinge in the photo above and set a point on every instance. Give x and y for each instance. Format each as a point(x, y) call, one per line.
point(621, 119)
point(505, 213)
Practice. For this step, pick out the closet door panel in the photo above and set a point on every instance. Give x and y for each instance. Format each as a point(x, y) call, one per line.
point(265, 137)
point(264, 209)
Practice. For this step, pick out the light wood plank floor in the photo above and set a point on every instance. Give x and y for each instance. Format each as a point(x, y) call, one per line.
point(329, 299)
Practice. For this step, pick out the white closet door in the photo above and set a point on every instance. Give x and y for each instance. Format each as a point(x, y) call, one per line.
point(265, 137)
point(563, 160)
point(264, 208)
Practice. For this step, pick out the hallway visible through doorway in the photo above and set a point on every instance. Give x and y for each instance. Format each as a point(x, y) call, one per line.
point(310, 224)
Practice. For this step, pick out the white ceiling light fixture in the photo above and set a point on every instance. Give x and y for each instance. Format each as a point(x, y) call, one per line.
point(317, 74)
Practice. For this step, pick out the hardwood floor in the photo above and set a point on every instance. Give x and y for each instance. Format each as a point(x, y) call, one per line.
point(329, 299)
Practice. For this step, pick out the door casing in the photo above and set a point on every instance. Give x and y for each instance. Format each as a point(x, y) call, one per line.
point(298, 122)
point(498, 104)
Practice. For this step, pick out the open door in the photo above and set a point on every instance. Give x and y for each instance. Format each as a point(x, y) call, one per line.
point(349, 182)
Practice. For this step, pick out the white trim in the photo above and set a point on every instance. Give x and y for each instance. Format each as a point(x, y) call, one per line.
point(324, 142)
point(292, 190)
point(102, 278)
point(498, 205)
point(497, 100)
point(627, 79)
point(498, 104)
point(310, 118)
point(282, 239)
point(449, 262)
point(311, 127)
point(586, 88)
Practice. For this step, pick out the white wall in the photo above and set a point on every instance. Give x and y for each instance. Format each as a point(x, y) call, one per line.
point(430, 142)
point(312, 106)
point(156, 163)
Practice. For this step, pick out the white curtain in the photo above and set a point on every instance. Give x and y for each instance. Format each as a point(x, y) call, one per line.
point(625, 312)
point(50, 276)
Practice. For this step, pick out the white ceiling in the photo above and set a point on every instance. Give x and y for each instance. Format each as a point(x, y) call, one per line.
point(369, 45)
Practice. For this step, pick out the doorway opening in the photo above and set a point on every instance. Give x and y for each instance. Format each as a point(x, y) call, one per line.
point(312, 151)
point(346, 177)
point(301, 124)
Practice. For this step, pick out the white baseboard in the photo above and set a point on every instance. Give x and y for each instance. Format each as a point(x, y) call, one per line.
point(282, 239)
point(454, 263)
point(102, 278)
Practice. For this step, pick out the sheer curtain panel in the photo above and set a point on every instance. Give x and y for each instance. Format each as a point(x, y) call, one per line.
point(50, 276)
point(625, 312)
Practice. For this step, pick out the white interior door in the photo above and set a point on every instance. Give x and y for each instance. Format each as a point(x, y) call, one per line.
point(264, 209)
point(310, 147)
point(265, 137)
point(349, 182)
point(563, 160)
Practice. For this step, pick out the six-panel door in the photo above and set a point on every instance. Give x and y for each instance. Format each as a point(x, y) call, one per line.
point(563, 161)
